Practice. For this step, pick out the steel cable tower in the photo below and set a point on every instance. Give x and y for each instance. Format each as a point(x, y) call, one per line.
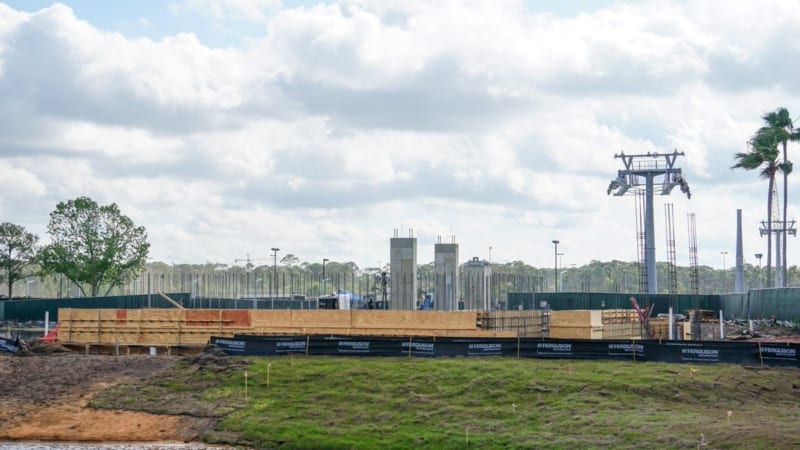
point(640, 173)
point(780, 228)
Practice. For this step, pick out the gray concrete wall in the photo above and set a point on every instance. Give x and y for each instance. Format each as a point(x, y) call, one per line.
point(403, 283)
point(445, 267)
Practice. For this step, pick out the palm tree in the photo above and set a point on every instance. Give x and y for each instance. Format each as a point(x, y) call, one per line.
point(780, 123)
point(763, 155)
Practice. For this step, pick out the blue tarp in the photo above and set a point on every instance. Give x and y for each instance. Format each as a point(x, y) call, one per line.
point(8, 345)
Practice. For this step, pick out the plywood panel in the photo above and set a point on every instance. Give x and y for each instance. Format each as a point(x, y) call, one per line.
point(448, 320)
point(573, 318)
point(321, 318)
point(382, 319)
point(203, 317)
point(271, 318)
point(575, 333)
point(236, 318)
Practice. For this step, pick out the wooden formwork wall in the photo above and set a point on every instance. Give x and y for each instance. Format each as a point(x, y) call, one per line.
point(595, 324)
point(526, 323)
point(195, 326)
point(660, 328)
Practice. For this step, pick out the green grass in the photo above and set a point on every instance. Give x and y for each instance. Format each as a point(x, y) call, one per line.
point(367, 403)
point(457, 403)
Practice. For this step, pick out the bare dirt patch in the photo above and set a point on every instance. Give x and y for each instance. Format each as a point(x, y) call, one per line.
point(46, 397)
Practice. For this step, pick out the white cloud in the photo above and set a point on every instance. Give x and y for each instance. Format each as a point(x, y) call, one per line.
point(346, 120)
point(251, 10)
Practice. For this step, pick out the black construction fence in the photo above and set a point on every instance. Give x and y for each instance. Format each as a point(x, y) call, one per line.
point(744, 353)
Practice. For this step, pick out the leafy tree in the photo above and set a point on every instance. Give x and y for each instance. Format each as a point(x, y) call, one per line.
point(763, 155)
point(290, 260)
point(779, 124)
point(94, 245)
point(17, 253)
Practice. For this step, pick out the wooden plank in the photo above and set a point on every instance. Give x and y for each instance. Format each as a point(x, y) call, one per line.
point(271, 318)
point(571, 318)
point(571, 332)
point(202, 317)
point(236, 318)
point(321, 319)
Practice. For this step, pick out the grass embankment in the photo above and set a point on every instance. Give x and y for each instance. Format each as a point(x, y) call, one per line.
point(367, 403)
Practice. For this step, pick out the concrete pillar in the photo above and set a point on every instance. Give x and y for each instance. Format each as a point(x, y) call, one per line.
point(403, 283)
point(478, 287)
point(445, 267)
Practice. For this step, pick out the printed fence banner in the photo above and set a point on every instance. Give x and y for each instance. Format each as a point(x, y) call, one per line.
point(475, 347)
point(773, 354)
point(701, 352)
point(357, 346)
point(420, 347)
point(261, 345)
point(582, 349)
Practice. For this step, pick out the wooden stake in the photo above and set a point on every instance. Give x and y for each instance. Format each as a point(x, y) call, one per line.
point(245, 384)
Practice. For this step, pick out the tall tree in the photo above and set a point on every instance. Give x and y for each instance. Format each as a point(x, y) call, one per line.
point(780, 124)
point(94, 245)
point(290, 260)
point(763, 155)
point(17, 253)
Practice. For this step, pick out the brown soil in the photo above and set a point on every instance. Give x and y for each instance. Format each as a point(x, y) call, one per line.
point(45, 398)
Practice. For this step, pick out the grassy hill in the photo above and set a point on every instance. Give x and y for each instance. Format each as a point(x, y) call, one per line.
point(368, 403)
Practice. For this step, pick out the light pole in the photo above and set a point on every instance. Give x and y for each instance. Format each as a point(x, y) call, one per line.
point(324, 287)
point(758, 257)
point(555, 270)
point(27, 288)
point(490, 255)
point(723, 270)
point(275, 274)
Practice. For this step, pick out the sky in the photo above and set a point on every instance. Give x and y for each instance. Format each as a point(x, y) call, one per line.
point(229, 127)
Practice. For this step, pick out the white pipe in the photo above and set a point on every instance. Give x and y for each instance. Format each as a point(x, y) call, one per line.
point(721, 326)
point(46, 323)
point(671, 335)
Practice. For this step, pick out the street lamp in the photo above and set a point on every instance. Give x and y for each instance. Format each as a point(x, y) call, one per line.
point(723, 270)
point(555, 257)
point(758, 257)
point(275, 274)
point(27, 288)
point(324, 288)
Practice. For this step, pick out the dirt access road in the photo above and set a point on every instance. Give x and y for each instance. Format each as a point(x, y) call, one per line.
point(45, 398)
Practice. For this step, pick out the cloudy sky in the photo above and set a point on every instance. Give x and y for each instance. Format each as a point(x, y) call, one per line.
point(227, 127)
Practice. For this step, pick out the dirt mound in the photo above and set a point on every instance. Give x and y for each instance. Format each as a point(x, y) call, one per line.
point(214, 359)
point(40, 348)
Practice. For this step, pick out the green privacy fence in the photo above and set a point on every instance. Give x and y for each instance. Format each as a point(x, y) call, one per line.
point(784, 304)
point(603, 300)
point(25, 310)
point(762, 303)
